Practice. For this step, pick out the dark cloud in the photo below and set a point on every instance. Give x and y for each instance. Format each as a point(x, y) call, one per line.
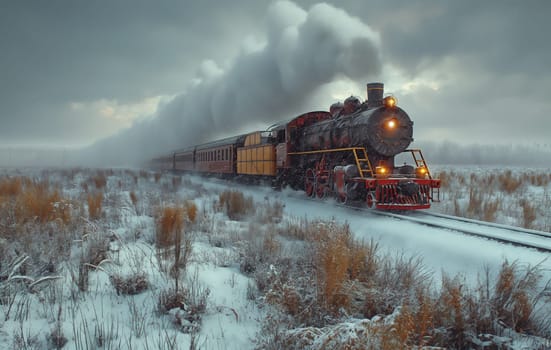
point(488, 58)
point(58, 52)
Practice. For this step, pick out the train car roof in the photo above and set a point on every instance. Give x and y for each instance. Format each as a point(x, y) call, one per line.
point(213, 144)
point(283, 124)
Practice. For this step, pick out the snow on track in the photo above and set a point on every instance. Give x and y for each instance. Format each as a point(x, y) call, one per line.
point(443, 251)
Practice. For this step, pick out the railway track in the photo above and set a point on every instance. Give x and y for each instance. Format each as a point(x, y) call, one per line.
point(503, 233)
point(517, 236)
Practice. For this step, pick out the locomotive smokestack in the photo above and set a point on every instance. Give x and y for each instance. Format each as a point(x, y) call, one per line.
point(375, 93)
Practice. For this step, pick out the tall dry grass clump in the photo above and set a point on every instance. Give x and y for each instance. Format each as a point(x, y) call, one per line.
point(529, 214)
point(334, 263)
point(100, 180)
point(170, 222)
point(94, 205)
point(11, 187)
point(170, 228)
point(134, 199)
point(235, 204)
point(508, 182)
point(35, 201)
point(337, 268)
point(157, 177)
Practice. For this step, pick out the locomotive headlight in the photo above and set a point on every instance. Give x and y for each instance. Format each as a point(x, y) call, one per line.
point(391, 124)
point(421, 172)
point(389, 101)
point(381, 171)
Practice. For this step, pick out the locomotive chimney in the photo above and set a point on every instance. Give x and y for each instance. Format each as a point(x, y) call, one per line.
point(375, 93)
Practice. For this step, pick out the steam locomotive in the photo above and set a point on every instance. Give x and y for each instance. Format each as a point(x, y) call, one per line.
point(348, 153)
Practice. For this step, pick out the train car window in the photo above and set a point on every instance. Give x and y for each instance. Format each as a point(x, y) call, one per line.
point(281, 136)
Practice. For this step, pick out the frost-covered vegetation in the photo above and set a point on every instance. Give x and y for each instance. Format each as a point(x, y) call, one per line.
point(120, 259)
point(519, 197)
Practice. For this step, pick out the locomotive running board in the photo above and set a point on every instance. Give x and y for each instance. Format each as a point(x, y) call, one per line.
point(356, 151)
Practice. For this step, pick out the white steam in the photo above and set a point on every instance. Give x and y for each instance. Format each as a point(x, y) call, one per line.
point(303, 50)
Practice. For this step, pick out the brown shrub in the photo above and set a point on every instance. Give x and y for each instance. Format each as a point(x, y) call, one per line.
point(130, 285)
point(134, 198)
point(191, 210)
point(528, 214)
point(508, 182)
point(171, 299)
point(10, 187)
point(489, 210)
point(36, 202)
point(404, 326)
point(157, 177)
point(444, 179)
point(94, 205)
point(450, 309)
point(235, 204)
point(100, 180)
point(511, 301)
point(170, 223)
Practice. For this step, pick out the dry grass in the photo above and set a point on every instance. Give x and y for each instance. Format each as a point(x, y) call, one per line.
point(100, 180)
point(134, 198)
point(344, 278)
point(11, 187)
point(26, 201)
point(501, 196)
point(334, 262)
point(170, 223)
point(130, 285)
point(510, 183)
point(528, 214)
point(157, 177)
point(235, 204)
point(94, 205)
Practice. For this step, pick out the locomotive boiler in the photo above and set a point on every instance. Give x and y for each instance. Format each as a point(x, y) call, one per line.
point(347, 152)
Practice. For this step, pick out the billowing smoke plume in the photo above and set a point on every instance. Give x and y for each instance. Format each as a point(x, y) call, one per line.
point(303, 50)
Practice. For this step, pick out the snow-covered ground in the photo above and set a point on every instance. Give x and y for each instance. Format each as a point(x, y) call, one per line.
point(37, 316)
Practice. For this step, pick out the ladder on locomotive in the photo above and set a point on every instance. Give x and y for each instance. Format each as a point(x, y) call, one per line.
point(420, 162)
point(362, 162)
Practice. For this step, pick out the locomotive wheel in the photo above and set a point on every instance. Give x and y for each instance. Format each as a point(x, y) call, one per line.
point(321, 187)
point(370, 200)
point(309, 183)
point(321, 190)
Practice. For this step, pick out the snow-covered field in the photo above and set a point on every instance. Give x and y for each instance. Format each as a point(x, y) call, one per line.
point(85, 279)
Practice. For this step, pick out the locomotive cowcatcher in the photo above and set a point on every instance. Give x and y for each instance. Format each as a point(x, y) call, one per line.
point(348, 153)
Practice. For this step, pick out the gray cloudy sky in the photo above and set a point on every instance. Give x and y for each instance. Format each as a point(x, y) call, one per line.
point(75, 72)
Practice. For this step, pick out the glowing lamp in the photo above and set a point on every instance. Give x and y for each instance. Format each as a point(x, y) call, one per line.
point(391, 124)
point(381, 171)
point(421, 172)
point(389, 101)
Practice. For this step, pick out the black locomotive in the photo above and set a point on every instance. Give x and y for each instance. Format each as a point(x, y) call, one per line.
point(348, 152)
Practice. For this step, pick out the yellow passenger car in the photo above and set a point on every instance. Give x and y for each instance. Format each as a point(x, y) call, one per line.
point(257, 156)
